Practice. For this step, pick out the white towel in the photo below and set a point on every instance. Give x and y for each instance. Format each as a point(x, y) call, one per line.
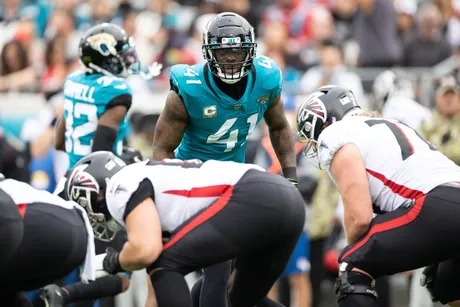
point(87, 272)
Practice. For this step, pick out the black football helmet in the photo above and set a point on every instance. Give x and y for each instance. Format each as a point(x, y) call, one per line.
point(233, 33)
point(107, 49)
point(86, 186)
point(321, 108)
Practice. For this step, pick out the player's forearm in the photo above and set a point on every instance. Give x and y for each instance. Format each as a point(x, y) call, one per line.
point(160, 153)
point(283, 144)
point(133, 257)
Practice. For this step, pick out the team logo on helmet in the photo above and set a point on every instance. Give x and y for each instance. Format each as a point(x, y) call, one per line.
point(312, 106)
point(104, 43)
point(81, 180)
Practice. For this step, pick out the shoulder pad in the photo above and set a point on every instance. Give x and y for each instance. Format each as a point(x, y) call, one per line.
point(268, 74)
point(187, 78)
point(110, 87)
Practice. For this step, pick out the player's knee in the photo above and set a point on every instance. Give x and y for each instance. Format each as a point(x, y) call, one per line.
point(355, 288)
point(440, 286)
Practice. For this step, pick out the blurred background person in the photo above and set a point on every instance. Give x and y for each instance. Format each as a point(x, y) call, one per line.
point(443, 129)
point(427, 46)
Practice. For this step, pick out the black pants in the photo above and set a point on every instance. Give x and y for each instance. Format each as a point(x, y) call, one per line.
point(11, 228)
point(258, 222)
point(54, 244)
point(410, 238)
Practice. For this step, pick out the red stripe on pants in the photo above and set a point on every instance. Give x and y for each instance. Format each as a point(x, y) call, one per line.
point(388, 225)
point(208, 213)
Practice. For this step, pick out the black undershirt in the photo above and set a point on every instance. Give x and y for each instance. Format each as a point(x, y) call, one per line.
point(235, 90)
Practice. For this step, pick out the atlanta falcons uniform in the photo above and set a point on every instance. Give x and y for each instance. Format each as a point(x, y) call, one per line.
point(56, 238)
point(416, 192)
point(216, 211)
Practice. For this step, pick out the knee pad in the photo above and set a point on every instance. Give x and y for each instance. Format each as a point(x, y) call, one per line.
point(351, 282)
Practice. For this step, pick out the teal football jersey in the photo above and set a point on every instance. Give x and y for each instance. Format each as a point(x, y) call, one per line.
point(218, 125)
point(86, 98)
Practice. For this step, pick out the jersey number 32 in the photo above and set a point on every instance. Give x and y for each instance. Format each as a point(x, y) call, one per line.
point(87, 114)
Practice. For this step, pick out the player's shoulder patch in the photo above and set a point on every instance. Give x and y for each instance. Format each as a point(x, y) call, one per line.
point(187, 78)
point(268, 73)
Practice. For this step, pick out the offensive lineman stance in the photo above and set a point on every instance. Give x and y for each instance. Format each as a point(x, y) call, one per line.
point(382, 166)
point(56, 238)
point(198, 204)
point(212, 109)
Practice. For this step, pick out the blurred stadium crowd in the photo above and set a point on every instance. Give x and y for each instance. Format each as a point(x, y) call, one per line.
point(315, 42)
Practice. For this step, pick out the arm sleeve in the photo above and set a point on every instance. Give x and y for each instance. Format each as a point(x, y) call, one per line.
point(144, 191)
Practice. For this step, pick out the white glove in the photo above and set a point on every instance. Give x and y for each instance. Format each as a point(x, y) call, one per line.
point(99, 267)
point(154, 70)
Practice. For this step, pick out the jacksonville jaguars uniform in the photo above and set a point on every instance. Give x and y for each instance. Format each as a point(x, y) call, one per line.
point(219, 125)
point(87, 97)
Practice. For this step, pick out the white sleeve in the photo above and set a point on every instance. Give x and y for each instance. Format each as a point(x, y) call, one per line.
point(120, 188)
point(339, 134)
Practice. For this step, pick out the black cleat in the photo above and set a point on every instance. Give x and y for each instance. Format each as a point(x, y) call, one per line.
point(52, 295)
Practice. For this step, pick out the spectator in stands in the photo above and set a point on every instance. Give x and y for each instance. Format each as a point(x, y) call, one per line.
point(193, 45)
point(321, 29)
point(55, 72)
point(295, 15)
point(406, 10)
point(453, 26)
point(62, 23)
point(343, 12)
point(428, 46)
point(443, 130)
point(243, 8)
point(332, 71)
point(376, 31)
point(16, 74)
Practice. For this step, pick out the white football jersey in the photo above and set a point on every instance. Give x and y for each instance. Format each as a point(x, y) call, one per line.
point(400, 164)
point(22, 193)
point(181, 188)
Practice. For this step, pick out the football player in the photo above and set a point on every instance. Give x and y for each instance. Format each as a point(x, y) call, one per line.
point(198, 205)
point(96, 103)
point(53, 238)
point(213, 107)
point(382, 166)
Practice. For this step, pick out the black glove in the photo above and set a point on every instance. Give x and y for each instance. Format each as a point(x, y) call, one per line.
point(428, 279)
point(111, 262)
point(131, 155)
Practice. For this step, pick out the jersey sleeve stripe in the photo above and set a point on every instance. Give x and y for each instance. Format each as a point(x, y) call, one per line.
point(394, 222)
point(202, 217)
point(396, 188)
point(208, 191)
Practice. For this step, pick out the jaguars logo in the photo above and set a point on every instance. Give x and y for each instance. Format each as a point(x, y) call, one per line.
point(263, 99)
point(104, 43)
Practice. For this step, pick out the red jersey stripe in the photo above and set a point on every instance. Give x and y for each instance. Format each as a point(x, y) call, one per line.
point(209, 191)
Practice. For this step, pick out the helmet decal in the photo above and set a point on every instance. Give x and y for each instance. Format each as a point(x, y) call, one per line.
point(104, 43)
